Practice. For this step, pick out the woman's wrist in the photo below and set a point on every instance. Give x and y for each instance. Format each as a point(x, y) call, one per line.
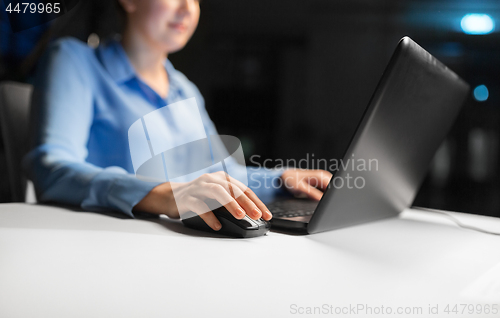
point(160, 200)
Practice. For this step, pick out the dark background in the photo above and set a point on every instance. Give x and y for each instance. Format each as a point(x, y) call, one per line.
point(291, 77)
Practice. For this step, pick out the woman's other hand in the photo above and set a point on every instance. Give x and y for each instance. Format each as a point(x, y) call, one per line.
point(306, 183)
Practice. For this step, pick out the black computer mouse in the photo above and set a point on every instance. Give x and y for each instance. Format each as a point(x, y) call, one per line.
point(231, 226)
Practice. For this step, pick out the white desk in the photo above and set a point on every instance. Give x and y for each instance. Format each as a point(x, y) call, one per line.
point(60, 263)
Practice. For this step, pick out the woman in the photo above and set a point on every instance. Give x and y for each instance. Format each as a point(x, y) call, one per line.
point(86, 99)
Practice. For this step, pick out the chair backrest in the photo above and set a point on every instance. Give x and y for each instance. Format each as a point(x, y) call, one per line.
point(15, 100)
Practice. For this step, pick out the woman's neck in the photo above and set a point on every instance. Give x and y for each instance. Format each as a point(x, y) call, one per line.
point(147, 60)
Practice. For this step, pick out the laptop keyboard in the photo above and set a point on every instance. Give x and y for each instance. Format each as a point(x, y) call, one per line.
point(292, 208)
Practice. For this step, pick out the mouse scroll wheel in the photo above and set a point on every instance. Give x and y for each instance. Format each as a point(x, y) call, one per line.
point(251, 222)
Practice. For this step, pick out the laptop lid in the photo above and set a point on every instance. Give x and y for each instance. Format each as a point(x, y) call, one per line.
point(412, 109)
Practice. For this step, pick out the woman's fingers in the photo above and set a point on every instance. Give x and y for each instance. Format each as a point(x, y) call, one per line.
point(220, 194)
point(307, 182)
point(266, 214)
point(239, 205)
point(245, 197)
point(201, 208)
point(319, 179)
point(214, 191)
point(309, 190)
point(211, 220)
point(246, 203)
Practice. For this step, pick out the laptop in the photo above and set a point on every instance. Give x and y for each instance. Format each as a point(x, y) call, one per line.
point(411, 111)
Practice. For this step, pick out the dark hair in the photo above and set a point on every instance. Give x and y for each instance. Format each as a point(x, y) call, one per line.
point(122, 15)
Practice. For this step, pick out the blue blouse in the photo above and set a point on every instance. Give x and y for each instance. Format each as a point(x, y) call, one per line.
point(84, 102)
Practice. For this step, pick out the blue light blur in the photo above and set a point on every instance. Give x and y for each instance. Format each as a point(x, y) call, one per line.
point(477, 23)
point(481, 93)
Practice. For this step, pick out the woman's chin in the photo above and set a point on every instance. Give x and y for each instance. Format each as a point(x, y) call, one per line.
point(176, 49)
point(172, 47)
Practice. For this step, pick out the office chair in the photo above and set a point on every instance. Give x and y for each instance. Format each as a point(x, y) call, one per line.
point(15, 99)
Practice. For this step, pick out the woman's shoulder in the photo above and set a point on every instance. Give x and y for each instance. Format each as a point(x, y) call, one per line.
point(70, 48)
point(65, 60)
point(70, 43)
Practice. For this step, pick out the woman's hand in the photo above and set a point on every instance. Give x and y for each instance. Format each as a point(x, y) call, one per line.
point(174, 199)
point(308, 183)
